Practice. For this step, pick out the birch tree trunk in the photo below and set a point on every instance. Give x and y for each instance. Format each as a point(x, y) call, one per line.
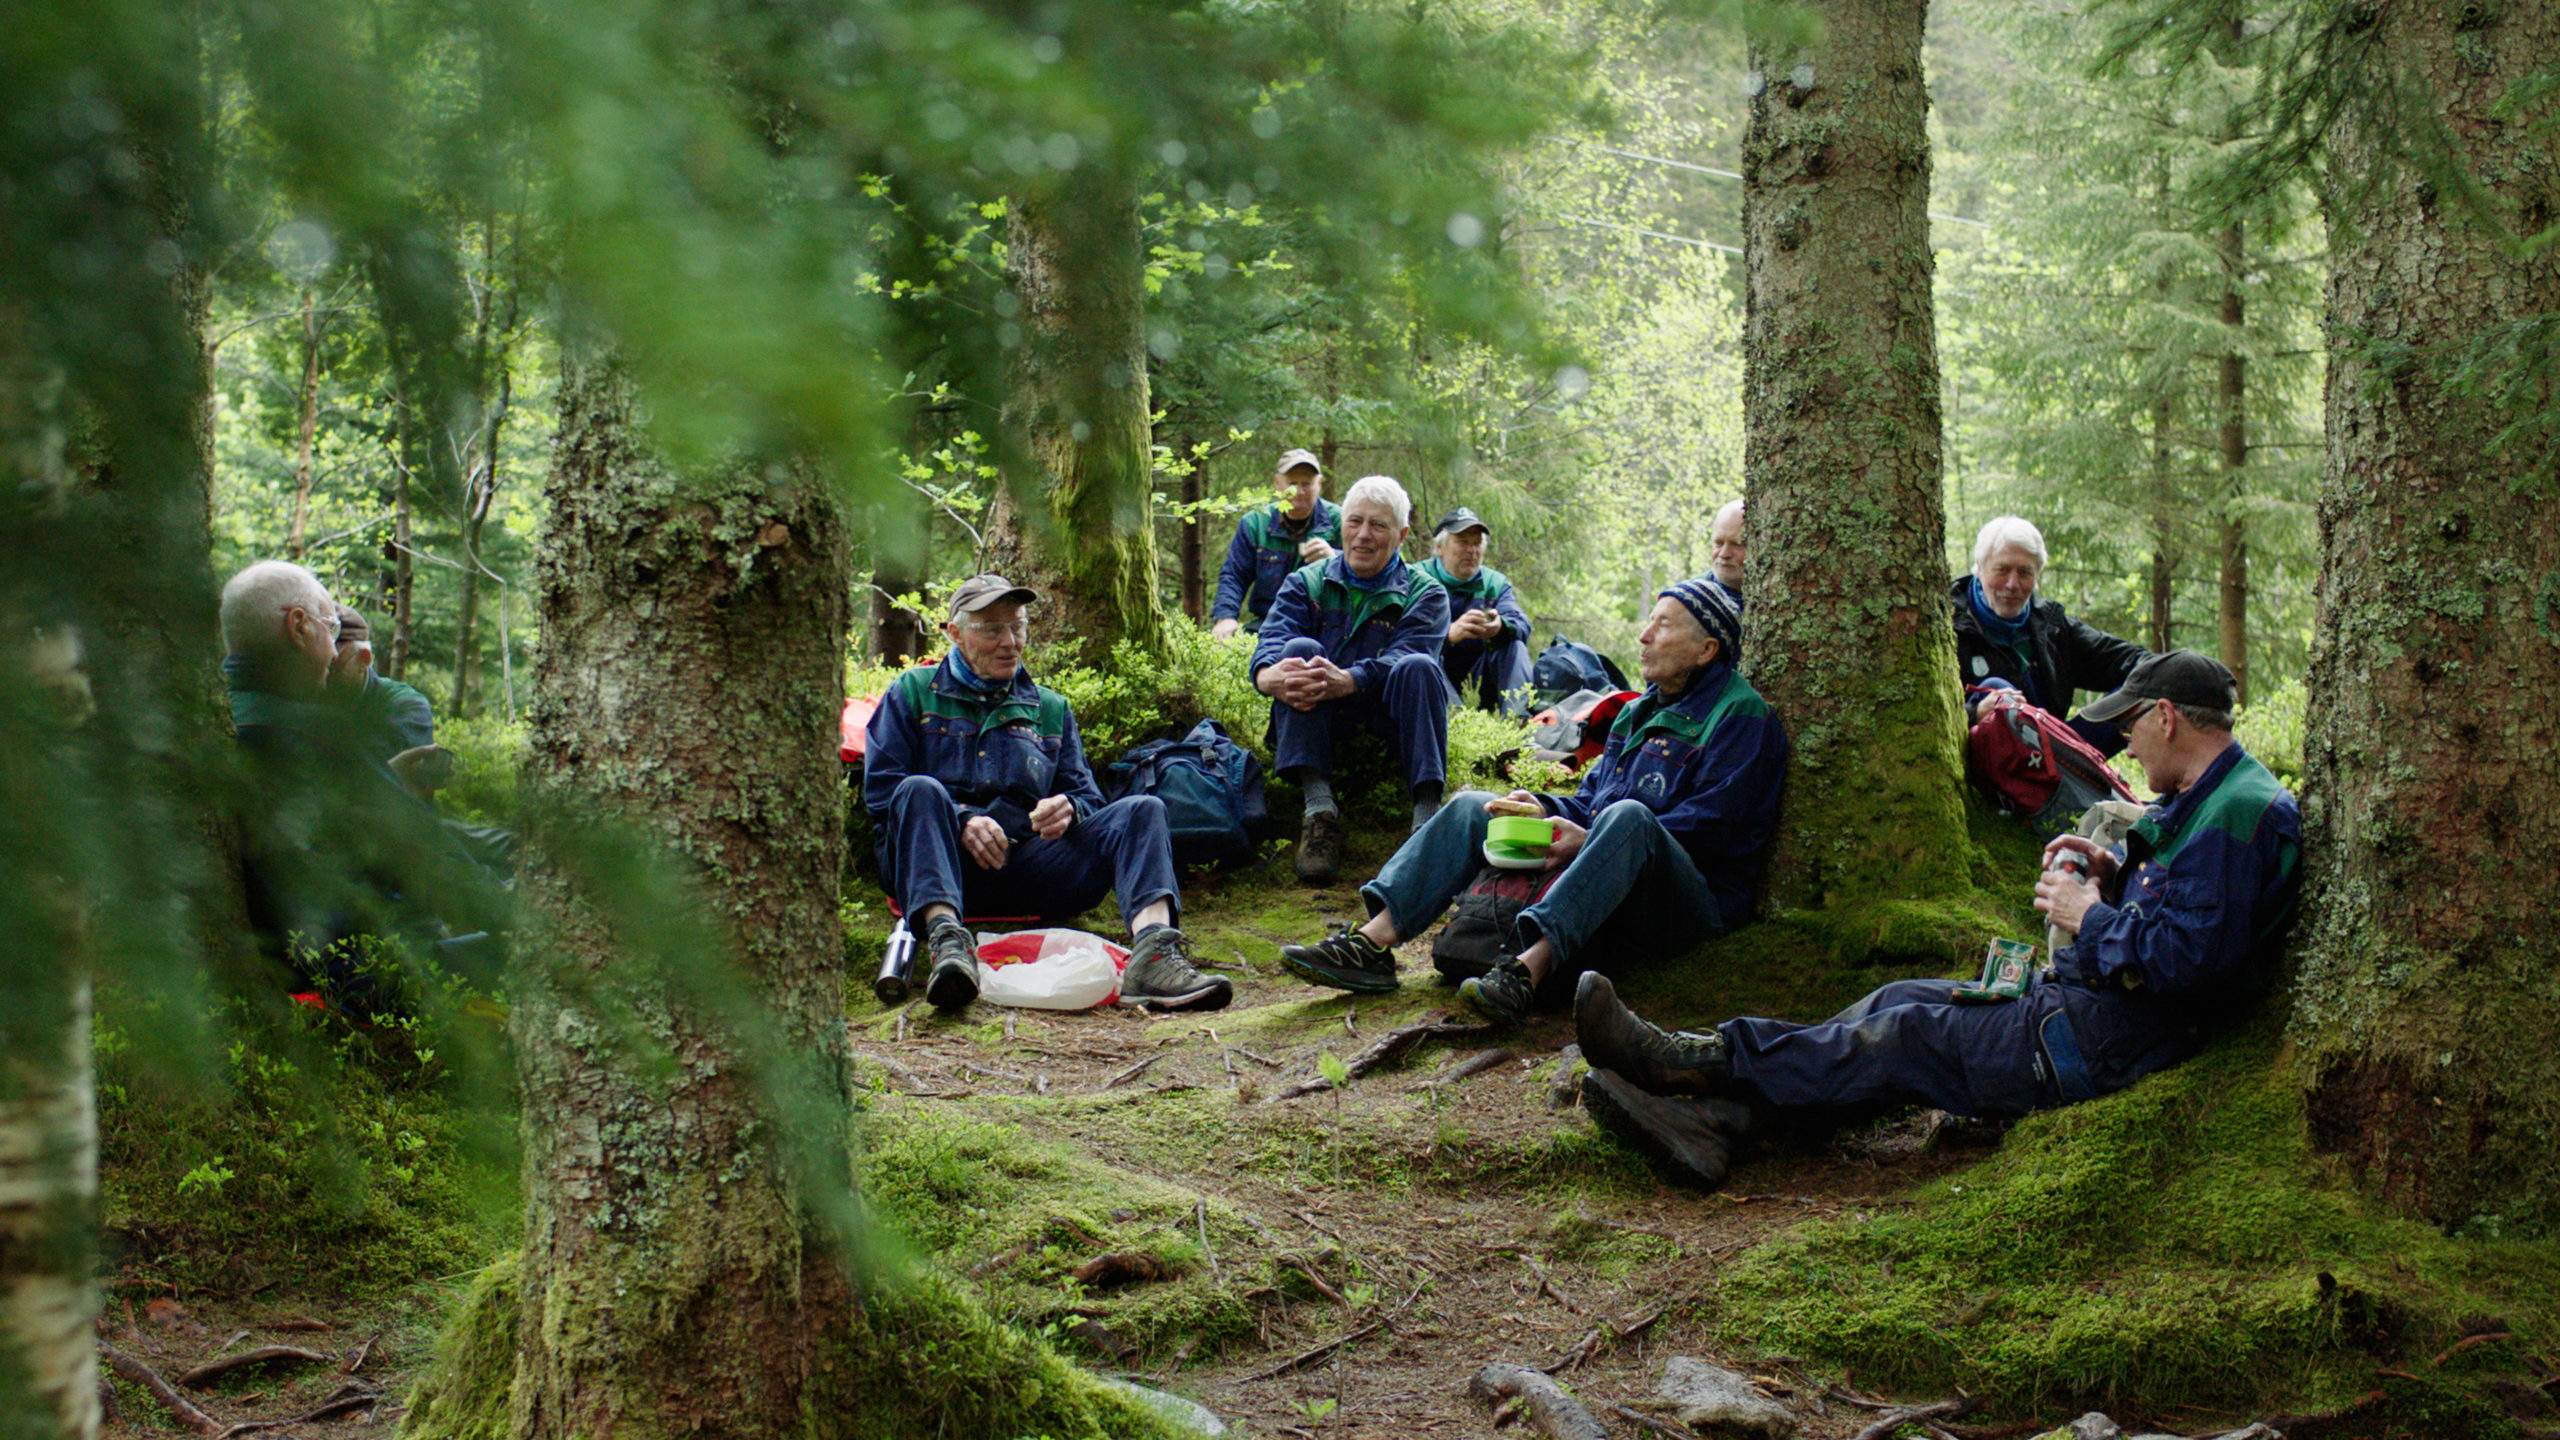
point(1079, 419)
point(675, 1276)
point(1846, 622)
point(2427, 1003)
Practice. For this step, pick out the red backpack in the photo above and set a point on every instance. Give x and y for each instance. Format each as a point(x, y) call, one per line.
point(2033, 765)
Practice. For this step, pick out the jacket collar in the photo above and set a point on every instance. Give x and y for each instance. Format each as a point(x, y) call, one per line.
point(1697, 698)
point(2172, 815)
point(1396, 578)
point(1022, 690)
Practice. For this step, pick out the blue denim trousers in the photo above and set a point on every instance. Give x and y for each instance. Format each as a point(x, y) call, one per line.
point(1585, 913)
point(1122, 848)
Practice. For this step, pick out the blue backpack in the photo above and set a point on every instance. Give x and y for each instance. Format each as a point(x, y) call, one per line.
point(1212, 789)
point(1569, 665)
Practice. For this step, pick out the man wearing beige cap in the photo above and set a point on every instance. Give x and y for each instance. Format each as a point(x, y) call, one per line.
point(1300, 528)
point(978, 790)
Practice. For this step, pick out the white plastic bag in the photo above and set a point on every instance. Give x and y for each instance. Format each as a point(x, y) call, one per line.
point(1049, 969)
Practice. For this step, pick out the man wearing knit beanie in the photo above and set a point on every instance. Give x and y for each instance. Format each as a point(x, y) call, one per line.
point(1680, 808)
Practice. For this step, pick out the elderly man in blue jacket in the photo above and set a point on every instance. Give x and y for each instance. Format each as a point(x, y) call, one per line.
point(1354, 642)
point(976, 781)
point(2173, 936)
point(1680, 809)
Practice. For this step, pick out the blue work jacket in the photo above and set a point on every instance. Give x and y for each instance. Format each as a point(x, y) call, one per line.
point(1364, 628)
point(999, 752)
point(1264, 551)
point(1709, 763)
point(1487, 587)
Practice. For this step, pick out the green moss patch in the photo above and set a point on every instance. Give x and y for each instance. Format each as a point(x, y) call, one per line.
point(2175, 1243)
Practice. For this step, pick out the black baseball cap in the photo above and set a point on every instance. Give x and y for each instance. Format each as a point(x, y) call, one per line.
point(1461, 518)
point(2181, 677)
point(980, 591)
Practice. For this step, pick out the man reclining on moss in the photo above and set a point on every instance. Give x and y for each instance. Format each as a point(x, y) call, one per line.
point(1678, 810)
point(978, 789)
point(2174, 935)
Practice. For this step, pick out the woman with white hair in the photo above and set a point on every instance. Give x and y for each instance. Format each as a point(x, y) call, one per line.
point(2008, 636)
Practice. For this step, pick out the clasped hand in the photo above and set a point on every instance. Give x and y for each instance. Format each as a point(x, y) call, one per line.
point(1304, 682)
point(985, 840)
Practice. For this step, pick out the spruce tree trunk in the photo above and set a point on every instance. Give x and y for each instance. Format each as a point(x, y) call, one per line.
point(1076, 519)
point(309, 402)
point(2426, 1005)
point(1847, 626)
point(675, 1279)
point(2164, 530)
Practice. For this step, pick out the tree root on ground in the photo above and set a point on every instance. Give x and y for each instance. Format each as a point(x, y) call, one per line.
point(1386, 1048)
point(180, 1408)
point(1553, 1412)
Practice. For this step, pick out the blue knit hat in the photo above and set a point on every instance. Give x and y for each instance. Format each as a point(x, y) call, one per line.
point(1717, 611)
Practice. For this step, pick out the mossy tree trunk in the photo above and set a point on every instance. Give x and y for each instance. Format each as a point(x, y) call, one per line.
point(1847, 628)
point(1076, 519)
point(679, 1024)
point(2426, 1005)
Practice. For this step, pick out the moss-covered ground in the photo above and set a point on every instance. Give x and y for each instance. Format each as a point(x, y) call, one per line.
point(1110, 1193)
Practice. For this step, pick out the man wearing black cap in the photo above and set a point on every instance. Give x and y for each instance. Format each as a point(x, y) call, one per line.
point(1300, 528)
point(978, 790)
point(2173, 936)
point(1679, 810)
point(1488, 644)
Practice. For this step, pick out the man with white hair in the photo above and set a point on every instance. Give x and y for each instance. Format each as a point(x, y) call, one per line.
point(1354, 642)
point(333, 845)
point(2008, 636)
point(1659, 849)
point(1725, 550)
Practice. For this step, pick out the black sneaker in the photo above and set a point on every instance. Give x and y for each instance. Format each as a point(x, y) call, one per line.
point(1320, 847)
point(1688, 1142)
point(1345, 960)
point(1161, 976)
point(1502, 994)
point(954, 982)
point(1666, 1062)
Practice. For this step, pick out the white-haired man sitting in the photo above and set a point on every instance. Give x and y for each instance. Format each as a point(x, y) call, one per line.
point(1354, 642)
point(2008, 636)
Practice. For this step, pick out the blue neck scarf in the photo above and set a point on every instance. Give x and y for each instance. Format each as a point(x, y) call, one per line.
point(2012, 633)
point(961, 672)
point(1391, 575)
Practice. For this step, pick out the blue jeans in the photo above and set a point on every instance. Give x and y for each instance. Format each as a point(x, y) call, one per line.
point(1584, 914)
point(1122, 848)
point(1410, 712)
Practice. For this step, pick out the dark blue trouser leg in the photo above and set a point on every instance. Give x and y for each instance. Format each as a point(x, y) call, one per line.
point(1410, 711)
point(1121, 849)
point(1489, 676)
point(919, 846)
point(1903, 1044)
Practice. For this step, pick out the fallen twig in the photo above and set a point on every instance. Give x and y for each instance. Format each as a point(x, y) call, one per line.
point(991, 1072)
point(1653, 1423)
point(1900, 1418)
point(1133, 1072)
point(180, 1408)
point(1256, 1057)
point(1385, 1048)
point(212, 1370)
point(298, 1323)
point(1473, 1065)
point(1547, 1284)
point(1564, 1086)
point(901, 1037)
point(2473, 1342)
point(1614, 1331)
point(350, 1397)
point(1200, 1213)
point(1550, 1409)
point(356, 1357)
point(1300, 1264)
point(1351, 1013)
point(1311, 1355)
point(1008, 1024)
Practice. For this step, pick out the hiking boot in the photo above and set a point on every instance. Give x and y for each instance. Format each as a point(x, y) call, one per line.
point(1345, 960)
point(954, 981)
point(1688, 1142)
point(1502, 994)
point(1161, 976)
point(1320, 847)
point(1665, 1062)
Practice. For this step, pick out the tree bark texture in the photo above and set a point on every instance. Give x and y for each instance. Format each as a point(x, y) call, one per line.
point(679, 1025)
point(1846, 622)
point(2427, 1004)
point(1077, 520)
point(2165, 504)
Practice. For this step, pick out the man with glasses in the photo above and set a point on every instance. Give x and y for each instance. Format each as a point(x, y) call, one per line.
point(978, 790)
point(333, 845)
point(2174, 934)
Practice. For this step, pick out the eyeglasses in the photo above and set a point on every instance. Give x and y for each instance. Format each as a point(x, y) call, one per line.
point(1019, 629)
point(331, 619)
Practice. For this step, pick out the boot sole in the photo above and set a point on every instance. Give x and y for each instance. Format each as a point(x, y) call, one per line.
point(1357, 984)
point(1207, 997)
point(951, 990)
point(1475, 999)
point(1643, 1123)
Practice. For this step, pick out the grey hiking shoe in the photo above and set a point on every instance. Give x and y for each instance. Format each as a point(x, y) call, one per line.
point(1665, 1062)
point(1161, 976)
point(1345, 960)
point(954, 951)
point(1688, 1142)
point(1503, 994)
point(1320, 847)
